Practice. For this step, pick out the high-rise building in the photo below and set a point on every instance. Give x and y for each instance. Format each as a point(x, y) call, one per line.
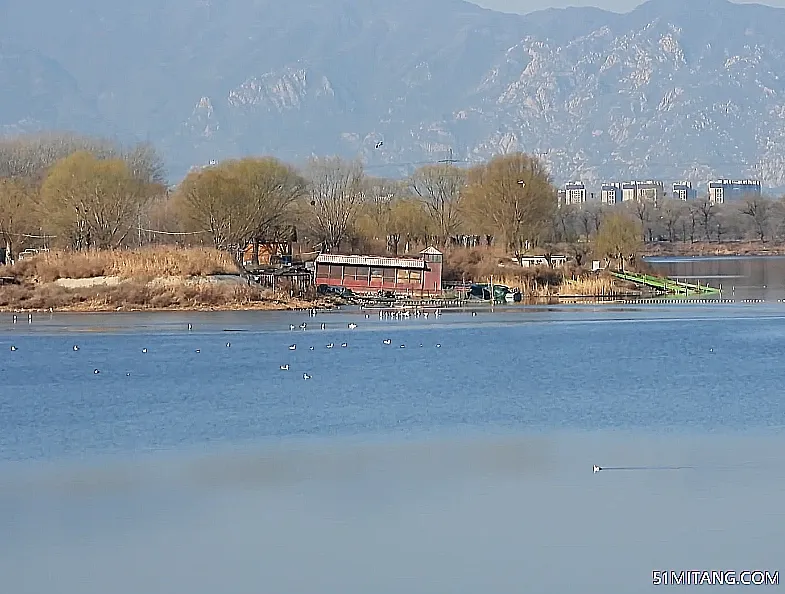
point(649, 190)
point(611, 193)
point(727, 190)
point(574, 193)
point(683, 190)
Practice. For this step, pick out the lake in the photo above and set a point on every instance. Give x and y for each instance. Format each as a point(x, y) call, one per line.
point(739, 277)
point(459, 463)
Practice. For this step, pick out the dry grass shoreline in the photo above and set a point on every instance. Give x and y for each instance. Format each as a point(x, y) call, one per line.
point(150, 279)
point(132, 296)
point(201, 279)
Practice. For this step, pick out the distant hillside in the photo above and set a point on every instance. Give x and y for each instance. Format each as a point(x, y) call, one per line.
point(671, 90)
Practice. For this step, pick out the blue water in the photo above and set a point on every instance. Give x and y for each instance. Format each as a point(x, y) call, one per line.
point(455, 469)
point(694, 368)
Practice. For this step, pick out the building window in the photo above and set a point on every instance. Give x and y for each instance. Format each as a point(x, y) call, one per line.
point(336, 271)
point(415, 276)
point(377, 274)
point(361, 273)
point(322, 271)
point(402, 276)
point(350, 272)
point(389, 276)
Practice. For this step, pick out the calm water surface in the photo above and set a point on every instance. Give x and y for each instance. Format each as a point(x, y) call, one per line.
point(739, 277)
point(459, 468)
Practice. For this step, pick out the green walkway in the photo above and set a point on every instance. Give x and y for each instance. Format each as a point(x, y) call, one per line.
point(666, 284)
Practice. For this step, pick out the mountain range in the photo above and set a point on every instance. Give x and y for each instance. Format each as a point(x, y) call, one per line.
point(675, 89)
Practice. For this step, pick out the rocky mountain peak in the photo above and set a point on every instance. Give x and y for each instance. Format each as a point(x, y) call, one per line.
point(671, 90)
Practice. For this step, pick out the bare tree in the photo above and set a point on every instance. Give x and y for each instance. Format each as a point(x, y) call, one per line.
point(408, 224)
point(585, 218)
point(759, 210)
point(564, 224)
point(671, 212)
point(619, 238)
point(376, 210)
point(596, 214)
point(690, 223)
point(512, 196)
point(778, 216)
point(578, 251)
point(706, 212)
point(209, 201)
point(642, 209)
point(242, 201)
point(440, 187)
point(16, 208)
point(165, 217)
point(336, 191)
point(94, 203)
point(31, 156)
point(144, 162)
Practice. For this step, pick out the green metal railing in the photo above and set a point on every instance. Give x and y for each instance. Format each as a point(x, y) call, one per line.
point(666, 284)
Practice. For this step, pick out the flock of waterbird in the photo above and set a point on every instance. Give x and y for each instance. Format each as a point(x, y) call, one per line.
point(382, 315)
point(390, 315)
point(397, 315)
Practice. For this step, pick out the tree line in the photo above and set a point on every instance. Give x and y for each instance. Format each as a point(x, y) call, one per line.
point(754, 217)
point(83, 193)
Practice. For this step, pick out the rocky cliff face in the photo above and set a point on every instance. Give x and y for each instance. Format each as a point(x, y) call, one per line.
point(673, 90)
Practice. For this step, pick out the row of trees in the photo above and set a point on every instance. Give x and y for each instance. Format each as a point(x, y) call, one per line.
point(81, 191)
point(85, 193)
point(755, 217)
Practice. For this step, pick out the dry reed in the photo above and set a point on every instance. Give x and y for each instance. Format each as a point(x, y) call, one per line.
point(135, 295)
point(594, 286)
point(151, 278)
point(144, 263)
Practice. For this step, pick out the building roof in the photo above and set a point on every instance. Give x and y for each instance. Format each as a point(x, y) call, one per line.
point(431, 251)
point(410, 263)
point(734, 182)
point(553, 257)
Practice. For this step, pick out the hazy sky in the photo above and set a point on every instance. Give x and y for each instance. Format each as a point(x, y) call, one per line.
point(524, 6)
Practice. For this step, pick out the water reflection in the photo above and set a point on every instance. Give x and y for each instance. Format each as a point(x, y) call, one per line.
point(460, 516)
point(739, 277)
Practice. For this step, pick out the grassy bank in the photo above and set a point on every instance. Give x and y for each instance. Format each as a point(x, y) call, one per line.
point(712, 248)
point(145, 279)
point(139, 264)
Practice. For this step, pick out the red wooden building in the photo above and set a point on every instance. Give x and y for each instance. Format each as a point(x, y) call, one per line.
point(369, 274)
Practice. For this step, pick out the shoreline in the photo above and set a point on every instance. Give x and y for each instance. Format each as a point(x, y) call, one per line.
point(322, 308)
point(181, 281)
point(706, 248)
point(181, 309)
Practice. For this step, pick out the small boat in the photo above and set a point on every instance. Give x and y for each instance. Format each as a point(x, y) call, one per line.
point(483, 291)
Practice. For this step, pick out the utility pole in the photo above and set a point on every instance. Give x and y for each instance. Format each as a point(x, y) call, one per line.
point(493, 296)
